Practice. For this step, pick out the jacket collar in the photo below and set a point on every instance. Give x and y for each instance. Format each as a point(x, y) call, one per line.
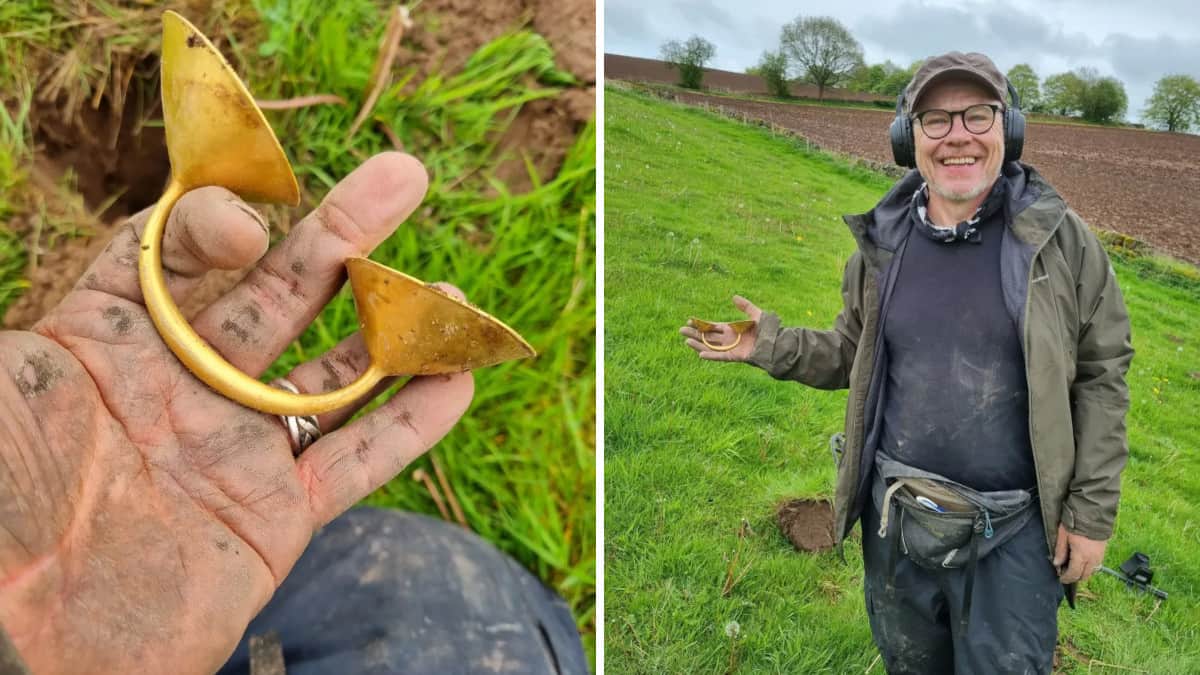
point(1034, 211)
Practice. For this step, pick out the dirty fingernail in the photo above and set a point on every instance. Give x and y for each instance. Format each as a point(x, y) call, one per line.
point(245, 208)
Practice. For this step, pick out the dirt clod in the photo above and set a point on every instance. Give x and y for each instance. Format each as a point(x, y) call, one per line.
point(807, 523)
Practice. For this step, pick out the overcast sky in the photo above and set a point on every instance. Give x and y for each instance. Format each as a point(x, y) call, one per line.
point(1137, 42)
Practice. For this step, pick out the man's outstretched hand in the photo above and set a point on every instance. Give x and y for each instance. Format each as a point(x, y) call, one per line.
point(145, 519)
point(724, 335)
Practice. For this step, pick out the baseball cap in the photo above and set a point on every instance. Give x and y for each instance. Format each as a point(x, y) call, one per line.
point(972, 65)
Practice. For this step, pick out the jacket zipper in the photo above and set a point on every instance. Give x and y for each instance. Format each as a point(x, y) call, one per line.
point(1034, 262)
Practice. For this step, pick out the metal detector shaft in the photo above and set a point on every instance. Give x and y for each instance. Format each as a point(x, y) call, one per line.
point(1130, 582)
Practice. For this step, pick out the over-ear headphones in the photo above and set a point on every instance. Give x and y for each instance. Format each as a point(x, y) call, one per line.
point(904, 146)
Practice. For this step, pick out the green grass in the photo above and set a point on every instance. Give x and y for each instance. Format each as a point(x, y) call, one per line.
point(747, 96)
point(14, 155)
point(698, 208)
point(14, 148)
point(522, 461)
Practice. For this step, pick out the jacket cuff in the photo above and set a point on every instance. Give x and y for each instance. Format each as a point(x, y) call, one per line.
point(764, 341)
point(1083, 527)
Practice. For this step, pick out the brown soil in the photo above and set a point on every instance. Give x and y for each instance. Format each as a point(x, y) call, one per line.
point(807, 523)
point(1141, 183)
point(120, 166)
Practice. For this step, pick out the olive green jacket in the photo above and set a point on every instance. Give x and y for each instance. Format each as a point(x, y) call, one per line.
point(1060, 290)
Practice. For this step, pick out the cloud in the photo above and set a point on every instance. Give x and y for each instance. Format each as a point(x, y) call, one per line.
point(917, 30)
point(1012, 35)
point(704, 17)
point(628, 30)
point(1148, 59)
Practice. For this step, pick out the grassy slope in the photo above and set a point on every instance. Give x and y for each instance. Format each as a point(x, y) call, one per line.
point(699, 208)
point(522, 461)
point(1038, 118)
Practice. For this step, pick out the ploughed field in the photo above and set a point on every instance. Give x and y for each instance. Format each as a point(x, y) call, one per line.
point(1145, 184)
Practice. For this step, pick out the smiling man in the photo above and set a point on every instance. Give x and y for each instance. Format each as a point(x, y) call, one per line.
point(985, 342)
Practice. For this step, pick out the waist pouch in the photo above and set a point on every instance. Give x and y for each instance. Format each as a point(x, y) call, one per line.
point(968, 518)
point(938, 523)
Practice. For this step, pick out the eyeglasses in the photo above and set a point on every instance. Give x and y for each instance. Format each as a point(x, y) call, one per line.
point(977, 119)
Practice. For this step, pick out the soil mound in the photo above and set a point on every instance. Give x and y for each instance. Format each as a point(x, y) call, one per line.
point(807, 523)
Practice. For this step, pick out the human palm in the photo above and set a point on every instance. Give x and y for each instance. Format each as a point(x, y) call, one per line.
point(145, 518)
point(724, 335)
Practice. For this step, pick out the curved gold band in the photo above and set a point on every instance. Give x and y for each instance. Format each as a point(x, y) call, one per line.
point(721, 348)
point(202, 359)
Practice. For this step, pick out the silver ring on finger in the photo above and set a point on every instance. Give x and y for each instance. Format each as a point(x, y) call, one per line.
point(302, 430)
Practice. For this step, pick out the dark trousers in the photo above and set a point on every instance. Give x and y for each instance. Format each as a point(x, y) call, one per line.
point(1013, 623)
point(382, 591)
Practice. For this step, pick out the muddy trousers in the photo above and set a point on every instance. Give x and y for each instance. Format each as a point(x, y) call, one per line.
point(381, 591)
point(1013, 625)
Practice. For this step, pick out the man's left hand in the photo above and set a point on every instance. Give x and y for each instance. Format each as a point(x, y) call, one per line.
point(144, 518)
point(1081, 556)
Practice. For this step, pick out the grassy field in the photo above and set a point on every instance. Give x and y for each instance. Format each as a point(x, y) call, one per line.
point(522, 462)
point(698, 208)
point(889, 106)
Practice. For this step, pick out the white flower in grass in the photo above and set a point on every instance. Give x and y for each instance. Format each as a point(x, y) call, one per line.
point(696, 242)
point(732, 629)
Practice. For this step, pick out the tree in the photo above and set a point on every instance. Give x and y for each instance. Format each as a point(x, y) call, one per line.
point(897, 79)
point(1025, 81)
point(867, 78)
point(1083, 92)
point(1062, 94)
point(772, 68)
point(1103, 99)
point(689, 58)
point(884, 78)
point(821, 49)
point(1175, 103)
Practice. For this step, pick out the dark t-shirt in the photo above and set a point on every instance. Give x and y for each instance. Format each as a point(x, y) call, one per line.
point(956, 398)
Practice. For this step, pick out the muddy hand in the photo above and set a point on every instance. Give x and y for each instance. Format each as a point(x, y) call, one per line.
point(148, 518)
point(1076, 557)
point(723, 334)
